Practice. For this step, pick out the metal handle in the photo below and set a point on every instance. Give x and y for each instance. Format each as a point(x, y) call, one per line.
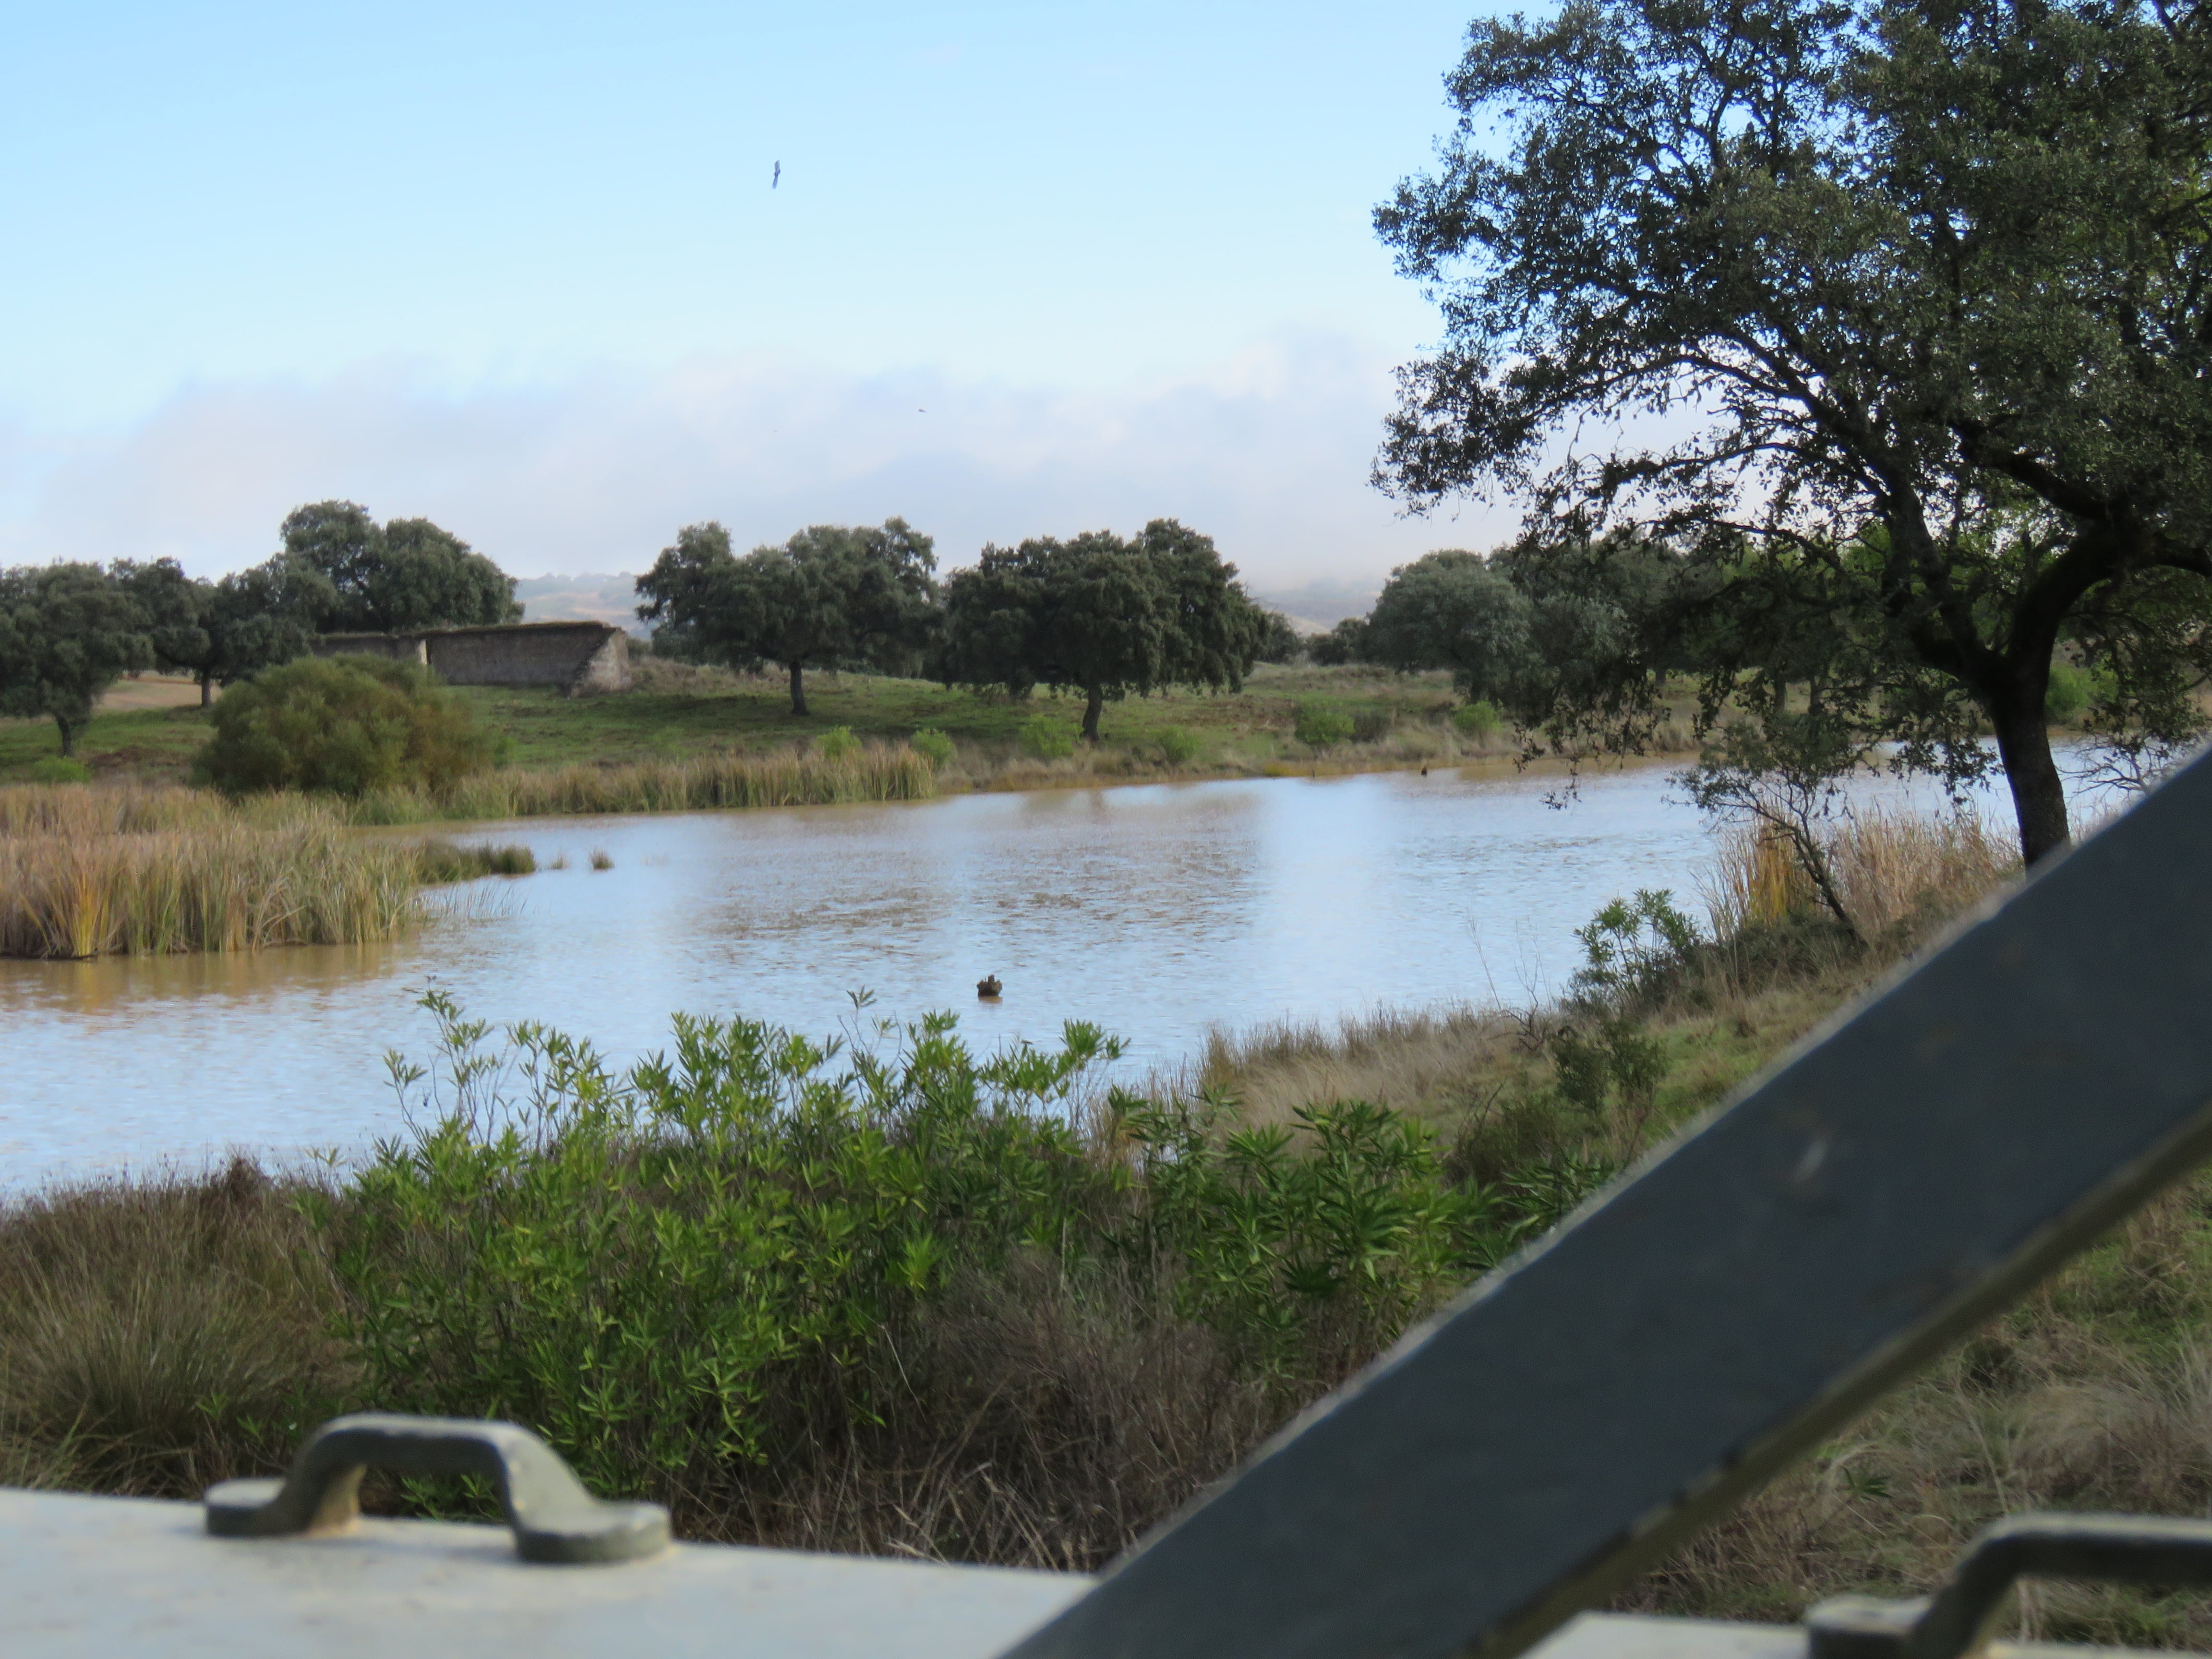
point(2126, 1549)
point(554, 1518)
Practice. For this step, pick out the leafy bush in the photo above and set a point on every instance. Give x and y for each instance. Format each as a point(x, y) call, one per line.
point(1314, 1255)
point(1048, 738)
point(1320, 723)
point(698, 1275)
point(348, 724)
point(55, 768)
point(1370, 724)
point(1179, 744)
point(1630, 948)
point(933, 746)
point(837, 744)
point(1479, 718)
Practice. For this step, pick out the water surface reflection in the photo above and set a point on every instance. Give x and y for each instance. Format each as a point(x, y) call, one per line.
point(1156, 912)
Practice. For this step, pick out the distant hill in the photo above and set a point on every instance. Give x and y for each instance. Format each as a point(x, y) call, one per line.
point(1319, 605)
point(581, 599)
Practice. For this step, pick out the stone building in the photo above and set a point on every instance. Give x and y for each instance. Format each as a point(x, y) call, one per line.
point(578, 657)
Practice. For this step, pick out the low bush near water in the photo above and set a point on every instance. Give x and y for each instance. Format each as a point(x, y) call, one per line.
point(343, 725)
point(1480, 719)
point(721, 1277)
point(1044, 738)
point(933, 746)
point(1321, 724)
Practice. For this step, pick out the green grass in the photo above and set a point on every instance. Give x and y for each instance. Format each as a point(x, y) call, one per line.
point(155, 745)
point(680, 714)
point(692, 712)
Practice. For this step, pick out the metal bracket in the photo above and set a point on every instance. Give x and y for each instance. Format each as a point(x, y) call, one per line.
point(2124, 1549)
point(554, 1518)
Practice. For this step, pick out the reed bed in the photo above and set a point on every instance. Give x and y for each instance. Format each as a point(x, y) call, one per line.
point(1891, 870)
point(791, 777)
point(89, 872)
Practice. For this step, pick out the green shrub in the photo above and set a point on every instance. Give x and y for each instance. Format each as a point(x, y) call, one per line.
point(1368, 725)
point(1048, 738)
point(56, 768)
point(698, 1276)
point(2068, 692)
point(1632, 949)
point(348, 724)
point(837, 744)
point(1320, 723)
point(1179, 744)
point(1479, 718)
point(933, 746)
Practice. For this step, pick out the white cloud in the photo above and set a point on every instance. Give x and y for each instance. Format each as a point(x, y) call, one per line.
point(1267, 451)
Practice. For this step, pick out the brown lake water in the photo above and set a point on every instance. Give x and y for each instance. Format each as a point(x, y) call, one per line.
point(1156, 912)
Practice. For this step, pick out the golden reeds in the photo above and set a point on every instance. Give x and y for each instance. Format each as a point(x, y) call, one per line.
point(1889, 868)
point(89, 872)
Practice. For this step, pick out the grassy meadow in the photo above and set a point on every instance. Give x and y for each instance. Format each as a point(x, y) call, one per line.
point(683, 716)
point(893, 1296)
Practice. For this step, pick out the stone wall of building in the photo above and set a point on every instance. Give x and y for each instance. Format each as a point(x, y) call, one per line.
point(577, 657)
point(400, 648)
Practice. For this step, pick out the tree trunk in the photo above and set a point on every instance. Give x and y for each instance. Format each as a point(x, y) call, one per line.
point(798, 688)
point(2039, 795)
point(68, 737)
point(1094, 704)
point(207, 690)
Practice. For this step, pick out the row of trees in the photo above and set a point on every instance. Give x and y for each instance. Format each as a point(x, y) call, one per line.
point(1098, 614)
point(68, 631)
point(1918, 294)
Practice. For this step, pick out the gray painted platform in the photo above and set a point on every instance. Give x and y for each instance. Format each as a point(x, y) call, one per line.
point(96, 1575)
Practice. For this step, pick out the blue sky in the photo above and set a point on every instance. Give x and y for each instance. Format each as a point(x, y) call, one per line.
point(1030, 269)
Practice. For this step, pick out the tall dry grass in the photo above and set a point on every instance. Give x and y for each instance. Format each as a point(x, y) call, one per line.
point(1411, 1060)
point(155, 1335)
point(790, 777)
point(1892, 870)
point(87, 871)
point(2094, 1394)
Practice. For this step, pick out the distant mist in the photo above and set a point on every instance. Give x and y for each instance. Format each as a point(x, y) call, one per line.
point(1268, 452)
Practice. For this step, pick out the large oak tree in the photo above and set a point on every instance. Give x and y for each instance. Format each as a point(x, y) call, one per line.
point(831, 596)
point(1102, 616)
point(1891, 317)
point(221, 632)
point(396, 577)
point(67, 632)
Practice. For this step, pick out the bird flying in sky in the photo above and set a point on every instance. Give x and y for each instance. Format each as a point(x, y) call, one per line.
point(775, 177)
